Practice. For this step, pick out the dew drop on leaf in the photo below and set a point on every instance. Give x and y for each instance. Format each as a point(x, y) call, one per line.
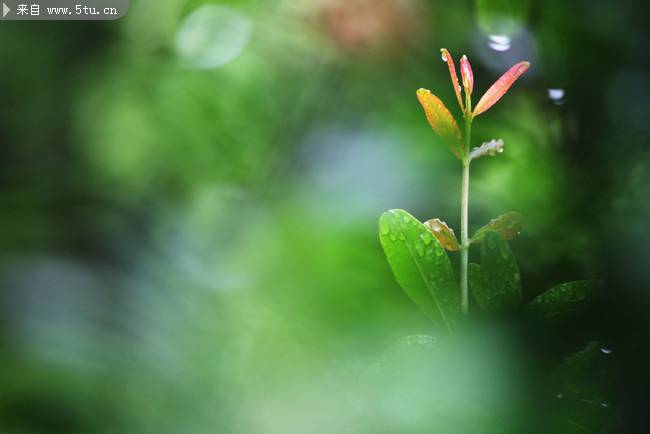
point(606, 351)
point(385, 229)
point(419, 248)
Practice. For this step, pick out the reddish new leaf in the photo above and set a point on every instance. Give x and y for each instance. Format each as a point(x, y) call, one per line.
point(444, 234)
point(467, 75)
point(500, 87)
point(442, 122)
point(507, 225)
point(446, 57)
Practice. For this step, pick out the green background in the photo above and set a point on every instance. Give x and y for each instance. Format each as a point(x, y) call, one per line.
point(188, 234)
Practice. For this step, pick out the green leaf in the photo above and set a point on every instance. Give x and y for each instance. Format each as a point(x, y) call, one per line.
point(421, 266)
point(562, 299)
point(507, 225)
point(474, 279)
point(444, 234)
point(500, 288)
point(582, 389)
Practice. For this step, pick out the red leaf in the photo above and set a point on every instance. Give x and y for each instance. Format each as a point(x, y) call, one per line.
point(466, 74)
point(500, 87)
point(446, 57)
point(442, 122)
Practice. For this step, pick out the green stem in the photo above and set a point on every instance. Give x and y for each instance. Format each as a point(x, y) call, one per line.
point(464, 218)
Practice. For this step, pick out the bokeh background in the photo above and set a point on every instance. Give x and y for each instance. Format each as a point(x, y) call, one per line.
point(190, 198)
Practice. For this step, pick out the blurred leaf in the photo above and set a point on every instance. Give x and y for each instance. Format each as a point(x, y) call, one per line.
point(563, 298)
point(474, 278)
point(421, 266)
point(444, 234)
point(502, 17)
point(500, 288)
point(411, 343)
point(581, 388)
point(446, 57)
point(491, 148)
point(507, 225)
point(500, 87)
point(442, 122)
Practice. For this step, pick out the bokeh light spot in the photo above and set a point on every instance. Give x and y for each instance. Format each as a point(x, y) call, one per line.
point(212, 36)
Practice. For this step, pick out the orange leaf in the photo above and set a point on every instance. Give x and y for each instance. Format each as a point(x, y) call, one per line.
point(500, 87)
point(442, 122)
point(444, 234)
point(446, 57)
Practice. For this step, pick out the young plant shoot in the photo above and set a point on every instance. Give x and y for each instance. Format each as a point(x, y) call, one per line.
point(417, 252)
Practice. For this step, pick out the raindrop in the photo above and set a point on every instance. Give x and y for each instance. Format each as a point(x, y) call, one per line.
point(559, 396)
point(604, 404)
point(439, 252)
point(385, 229)
point(402, 237)
point(406, 219)
point(606, 351)
point(556, 95)
point(444, 57)
point(393, 237)
point(499, 42)
point(419, 248)
point(426, 238)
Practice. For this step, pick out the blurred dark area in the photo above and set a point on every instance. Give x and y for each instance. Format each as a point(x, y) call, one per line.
point(190, 198)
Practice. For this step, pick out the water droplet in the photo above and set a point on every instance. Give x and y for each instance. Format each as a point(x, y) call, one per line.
point(405, 219)
point(426, 238)
point(393, 237)
point(499, 42)
point(385, 229)
point(443, 56)
point(419, 248)
point(504, 252)
point(559, 396)
point(604, 404)
point(401, 236)
point(439, 252)
point(556, 95)
point(606, 351)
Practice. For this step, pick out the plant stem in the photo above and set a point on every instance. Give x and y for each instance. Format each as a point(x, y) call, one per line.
point(464, 218)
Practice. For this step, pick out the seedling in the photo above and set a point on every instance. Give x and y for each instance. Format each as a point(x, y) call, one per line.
point(417, 252)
